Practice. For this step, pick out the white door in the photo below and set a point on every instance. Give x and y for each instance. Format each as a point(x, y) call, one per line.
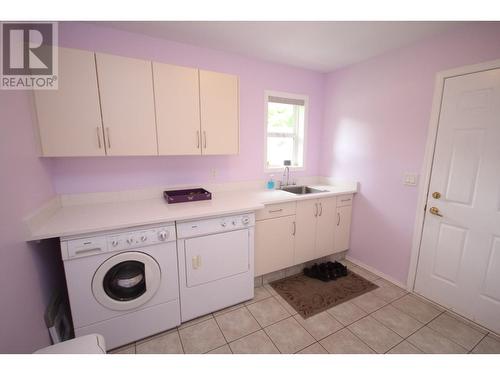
point(274, 244)
point(69, 118)
point(177, 104)
point(305, 233)
point(216, 256)
point(343, 228)
point(219, 103)
point(459, 261)
point(325, 228)
point(128, 115)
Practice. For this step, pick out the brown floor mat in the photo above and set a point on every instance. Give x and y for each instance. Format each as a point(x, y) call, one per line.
point(310, 296)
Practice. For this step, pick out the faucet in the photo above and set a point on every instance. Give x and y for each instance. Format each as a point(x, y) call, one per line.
point(286, 173)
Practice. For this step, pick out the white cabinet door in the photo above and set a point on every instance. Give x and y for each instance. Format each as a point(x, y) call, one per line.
point(219, 100)
point(325, 227)
point(177, 104)
point(69, 118)
point(274, 244)
point(305, 235)
point(343, 228)
point(126, 90)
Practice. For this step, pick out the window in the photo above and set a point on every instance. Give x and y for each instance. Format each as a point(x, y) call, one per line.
point(285, 129)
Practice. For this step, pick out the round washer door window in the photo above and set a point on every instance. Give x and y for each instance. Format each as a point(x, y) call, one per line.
point(126, 281)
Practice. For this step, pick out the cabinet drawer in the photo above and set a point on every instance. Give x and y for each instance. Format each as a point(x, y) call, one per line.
point(344, 200)
point(276, 210)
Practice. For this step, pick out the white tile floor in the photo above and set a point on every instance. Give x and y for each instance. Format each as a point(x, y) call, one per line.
point(386, 320)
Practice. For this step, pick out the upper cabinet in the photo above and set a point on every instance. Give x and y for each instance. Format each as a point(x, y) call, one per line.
point(127, 105)
point(113, 105)
point(177, 99)
point(219, 101)
point(69, 118)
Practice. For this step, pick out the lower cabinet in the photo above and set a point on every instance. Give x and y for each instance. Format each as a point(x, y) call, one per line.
point(274, 240)
point(297, 232)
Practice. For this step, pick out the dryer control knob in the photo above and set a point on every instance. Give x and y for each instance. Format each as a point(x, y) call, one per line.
point(144, 238)
point(130, 240)
point(223, 224)
point(245, 220)
point(114, 243)
point(163, 235)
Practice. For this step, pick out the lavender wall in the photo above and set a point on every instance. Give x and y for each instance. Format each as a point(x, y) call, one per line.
point(72, 175)
point(376, 119)
point(28, 272)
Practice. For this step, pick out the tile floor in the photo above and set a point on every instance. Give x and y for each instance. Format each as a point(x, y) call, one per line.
point(386, 320)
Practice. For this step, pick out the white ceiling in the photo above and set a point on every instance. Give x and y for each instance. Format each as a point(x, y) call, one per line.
point(321, 46)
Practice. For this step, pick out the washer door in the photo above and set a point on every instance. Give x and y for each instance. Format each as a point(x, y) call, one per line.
point(126, 280)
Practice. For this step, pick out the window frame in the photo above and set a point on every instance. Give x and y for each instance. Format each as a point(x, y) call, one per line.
point(281, 94)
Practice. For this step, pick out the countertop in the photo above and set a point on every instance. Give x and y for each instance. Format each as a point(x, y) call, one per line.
point(91, 218)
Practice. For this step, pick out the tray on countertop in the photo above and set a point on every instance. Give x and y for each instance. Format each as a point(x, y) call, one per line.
point(187, 195)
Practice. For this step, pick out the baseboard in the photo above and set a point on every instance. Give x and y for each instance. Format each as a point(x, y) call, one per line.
point(377, 272)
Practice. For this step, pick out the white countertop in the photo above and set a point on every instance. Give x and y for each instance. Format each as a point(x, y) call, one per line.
point(96, 217)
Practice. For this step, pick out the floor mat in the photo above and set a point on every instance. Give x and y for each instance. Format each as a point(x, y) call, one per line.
point(310, 296)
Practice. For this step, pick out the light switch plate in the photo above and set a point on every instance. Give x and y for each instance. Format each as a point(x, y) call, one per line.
point(410, 179)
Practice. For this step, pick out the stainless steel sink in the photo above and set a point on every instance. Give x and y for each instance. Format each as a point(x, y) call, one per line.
point(301, 190)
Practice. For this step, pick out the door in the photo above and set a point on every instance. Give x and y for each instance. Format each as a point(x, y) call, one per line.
point(305, 234)
point(219, 101)
point(126, 91)
point(325, 227)
point(177, 105)
point(69, 118)
point(459, 261)
point(274, 244)
point(217, 256)
point(343, 228)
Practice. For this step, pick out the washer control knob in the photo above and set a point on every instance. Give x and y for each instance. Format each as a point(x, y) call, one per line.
point(130, 240)
point(114, 243)
point(144, 238)
point(245, 220)
point(163, 235)
point(234, 222)
point(223, 224)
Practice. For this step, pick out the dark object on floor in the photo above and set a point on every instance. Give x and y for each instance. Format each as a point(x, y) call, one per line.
point(311, 296)
point(326, 271)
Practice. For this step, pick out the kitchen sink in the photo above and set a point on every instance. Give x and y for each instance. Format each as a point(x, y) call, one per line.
point(301, 190)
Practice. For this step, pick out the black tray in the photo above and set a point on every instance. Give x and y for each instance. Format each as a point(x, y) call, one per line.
point(187, 195)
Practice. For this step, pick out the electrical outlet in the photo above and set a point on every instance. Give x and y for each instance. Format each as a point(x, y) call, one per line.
point(410, 179)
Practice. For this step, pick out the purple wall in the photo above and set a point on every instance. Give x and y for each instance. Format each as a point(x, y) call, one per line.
point(376, 119)
point(26, 270)
point(71, 175)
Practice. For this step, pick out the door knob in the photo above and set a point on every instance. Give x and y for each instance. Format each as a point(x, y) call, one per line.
point(436, 195)
point(435, 211)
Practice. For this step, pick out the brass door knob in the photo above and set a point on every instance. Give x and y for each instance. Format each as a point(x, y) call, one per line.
point(436, 195)
point(435, 211)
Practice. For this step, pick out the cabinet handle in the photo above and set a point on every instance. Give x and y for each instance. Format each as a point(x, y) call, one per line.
point(98, 137)
point(345, 200)
point(316, 210)
point(338, 218)
point(321, 209)
point(294, 228)
point(204, 139)
point(197, 139)
point(108, 138)
point(274, 211)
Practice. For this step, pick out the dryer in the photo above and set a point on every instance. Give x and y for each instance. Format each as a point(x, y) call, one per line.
point(123, 284)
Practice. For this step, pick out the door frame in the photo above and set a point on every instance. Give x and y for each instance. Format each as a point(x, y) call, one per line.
point(423, 189)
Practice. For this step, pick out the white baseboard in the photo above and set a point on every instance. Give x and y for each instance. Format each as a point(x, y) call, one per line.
point(377, 272)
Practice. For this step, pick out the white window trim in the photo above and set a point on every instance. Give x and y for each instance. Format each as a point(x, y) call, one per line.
point(305, 98)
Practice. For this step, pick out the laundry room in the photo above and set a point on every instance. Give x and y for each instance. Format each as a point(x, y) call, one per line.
point(245, 185)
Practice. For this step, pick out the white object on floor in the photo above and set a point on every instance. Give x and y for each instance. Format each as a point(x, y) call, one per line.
point(89, 344)
point(216, 263)
point(123, 285)
point(459, 260)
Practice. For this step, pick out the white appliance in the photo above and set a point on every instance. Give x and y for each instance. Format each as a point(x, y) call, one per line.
point(123, 284)
point(216, 263)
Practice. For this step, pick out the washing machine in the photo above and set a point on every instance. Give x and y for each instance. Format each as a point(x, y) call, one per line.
point(123, 284)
